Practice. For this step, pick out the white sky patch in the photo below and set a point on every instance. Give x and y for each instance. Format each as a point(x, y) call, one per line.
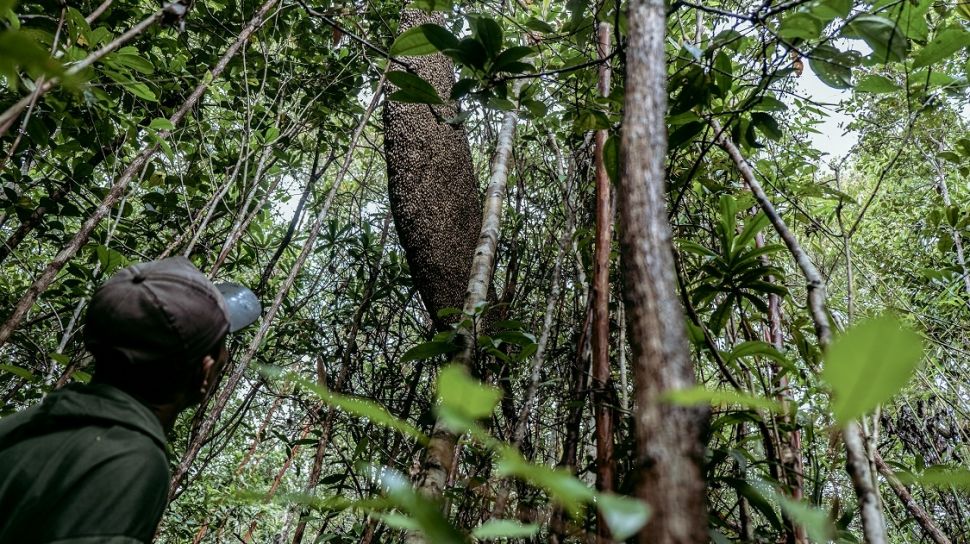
point(832, 137)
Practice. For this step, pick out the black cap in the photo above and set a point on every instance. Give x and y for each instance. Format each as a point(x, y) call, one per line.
point(165, 310)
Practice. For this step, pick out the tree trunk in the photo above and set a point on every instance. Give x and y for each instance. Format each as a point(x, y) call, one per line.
point(603, 400)
point(440, 460)
point(669, 451)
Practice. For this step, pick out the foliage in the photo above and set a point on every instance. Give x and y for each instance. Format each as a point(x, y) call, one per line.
point(329, 424)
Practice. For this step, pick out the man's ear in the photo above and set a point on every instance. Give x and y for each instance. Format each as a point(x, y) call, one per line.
point(208, 371)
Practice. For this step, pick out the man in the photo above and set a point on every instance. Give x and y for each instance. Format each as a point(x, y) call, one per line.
point(88, 464)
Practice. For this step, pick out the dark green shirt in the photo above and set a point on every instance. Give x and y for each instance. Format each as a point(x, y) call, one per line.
point(85, 466)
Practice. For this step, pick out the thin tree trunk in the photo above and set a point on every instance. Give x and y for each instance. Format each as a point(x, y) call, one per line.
point(209, 422)
point(669, 451)
point(944, 192)
point(603, 400)
point(440, 459)
point(921, 516)
point(857, 462)
point(121, 183)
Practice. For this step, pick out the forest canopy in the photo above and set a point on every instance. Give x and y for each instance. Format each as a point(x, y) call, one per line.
point(581, 271)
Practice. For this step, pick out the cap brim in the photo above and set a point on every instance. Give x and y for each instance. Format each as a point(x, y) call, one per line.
point(244, 308)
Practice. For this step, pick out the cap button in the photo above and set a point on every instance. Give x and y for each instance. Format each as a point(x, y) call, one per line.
point(138, 278)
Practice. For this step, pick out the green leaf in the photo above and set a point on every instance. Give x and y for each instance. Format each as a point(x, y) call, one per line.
point(412, 89)
point(140, 90)
point(433, 5)
point(161, 123)
point(19, 49)
point(357, 406)
point(684, 134)
point(460, 393)
point(19, 372)
point(834, 75)
point(869, 364)
point(826, 10)
point(128, 57)
point(504, 528)
point(110, 259)
point(625, 516)
point(425, 39)
point(611, 158)
point(888, 43)
point(428, 350)
point(943, 46)
point(801, 25)
point(751, 229)
point(815, 520)
point(938, 476)
point(721, 397)
point(489, 33)
point(767, 125)
point(759, 348)
point(876, 84)
point(425, 513)
point(561, 485)
point(539, 26)
point(510, 58)
point(769, 103)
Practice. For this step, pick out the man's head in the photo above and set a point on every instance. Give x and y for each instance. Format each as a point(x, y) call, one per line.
point(157, 330)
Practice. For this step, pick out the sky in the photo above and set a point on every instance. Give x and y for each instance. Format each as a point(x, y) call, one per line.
point(832, 138)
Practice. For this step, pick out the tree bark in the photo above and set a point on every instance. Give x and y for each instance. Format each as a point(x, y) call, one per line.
point(669, 451)
point(914, 509)
point(603, 399)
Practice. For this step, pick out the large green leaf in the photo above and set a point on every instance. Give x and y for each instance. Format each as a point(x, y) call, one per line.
point(625, 516)
point(701, 395)
point(412, 89)
point(425, 39)
point(425, 513)
point(876, 84)
point(801, 25)
point(945, 44)
point(869, 364)
point(832, 74)
point(357, 406)
point(561, 485)
point(888, 43)
point(504, 528)
point(427, 350)
point(489, 33)
point(460, 393)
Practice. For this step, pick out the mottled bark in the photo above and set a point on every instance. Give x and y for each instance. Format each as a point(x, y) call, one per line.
point(603, 394)
point(669, 451)
point(433, 192)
